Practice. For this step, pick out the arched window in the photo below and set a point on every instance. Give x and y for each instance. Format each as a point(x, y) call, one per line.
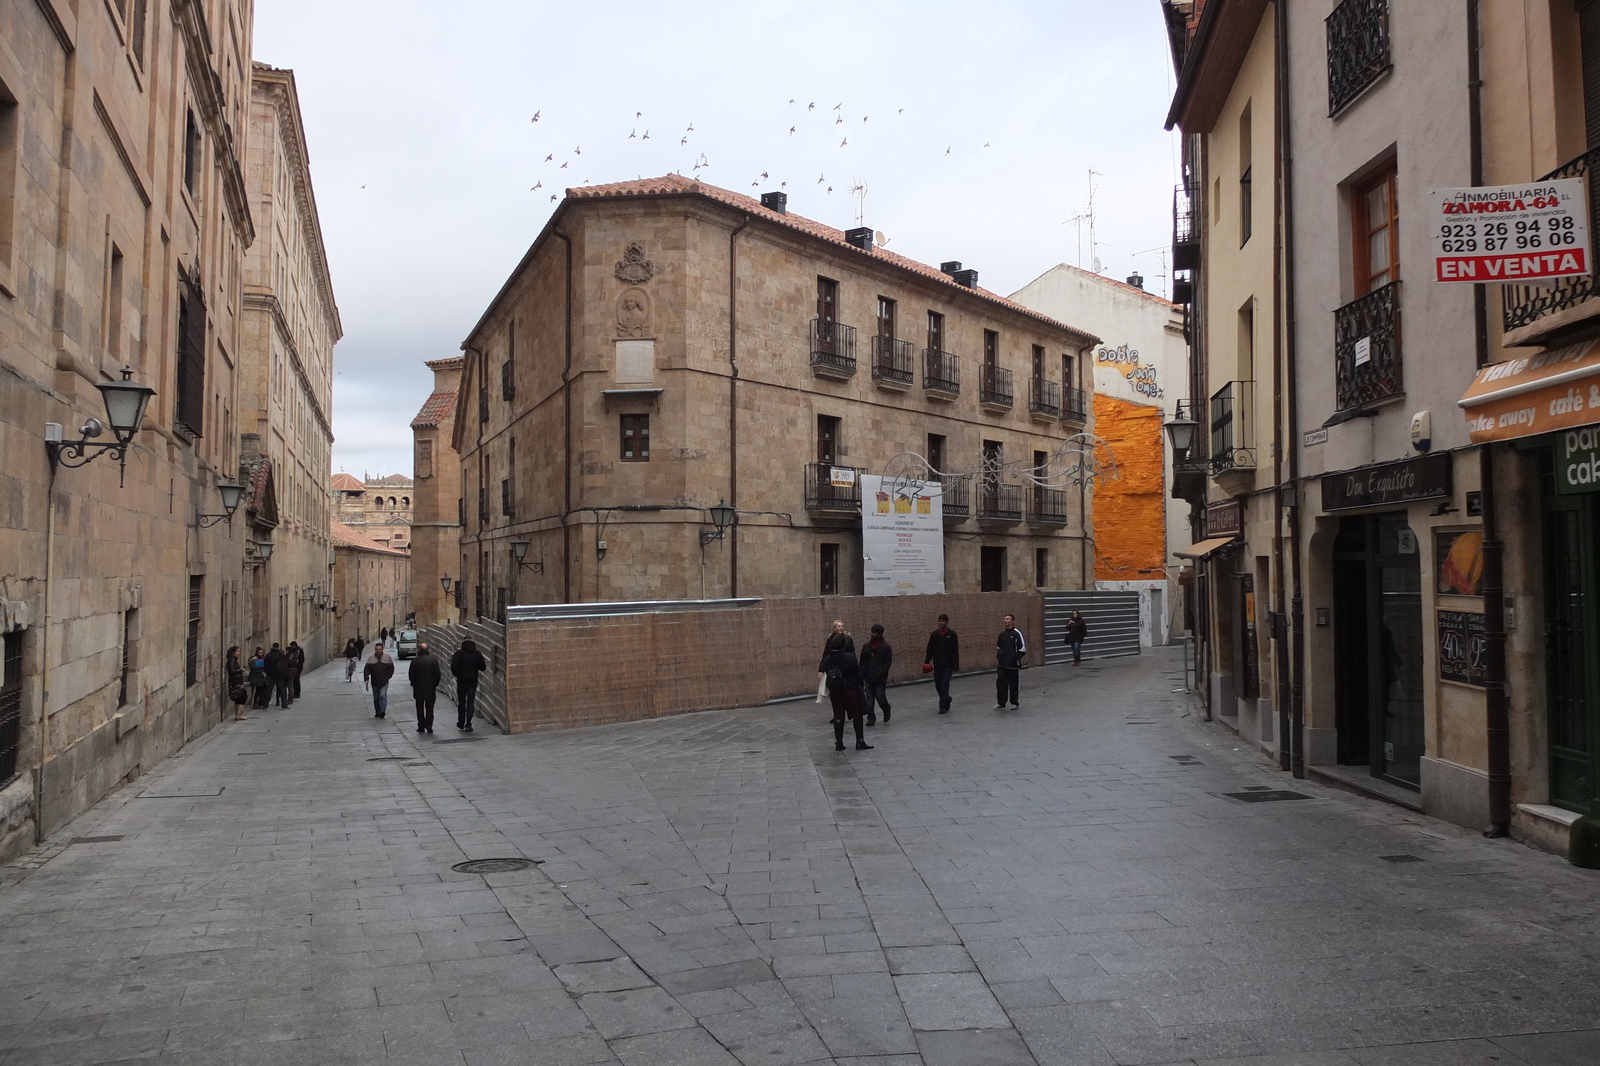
point(405, 501)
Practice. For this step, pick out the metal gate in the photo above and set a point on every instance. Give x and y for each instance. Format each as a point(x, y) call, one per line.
point(1112, 618)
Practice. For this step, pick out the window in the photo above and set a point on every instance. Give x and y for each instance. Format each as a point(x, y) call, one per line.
point(1358, 49)
point(191, 152)
point(886, 322)
point(191, 651)
point(1244, 176)
point(113, 298)
point(136, 30)
point(508, 369)
point(935, 455)
point(8, 176)
point(128, 618)
point(829, 583)
point(1038, 362)
point(636, 438)
point(935, 331)
point(461, 510)
point(1069, 375)
point(191, 357)
point(483, 389)
point(508, 504)
point(1247, 340)
point(992, 570)
point(505, 497)
point(1041, 567)
point(827, 439)
point(10, 703)
point(827, 299)
point(991, 348)
point(1374, 214)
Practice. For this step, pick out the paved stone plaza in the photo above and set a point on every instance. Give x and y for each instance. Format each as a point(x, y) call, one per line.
point(1067, 884)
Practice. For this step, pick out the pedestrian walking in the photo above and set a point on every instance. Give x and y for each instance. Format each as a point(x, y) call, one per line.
point(943, 657)
point(278, 674)
point(424, 675)
point(1010, 648)
point(260, 684)
point(843, 674)
point(376, 675)
point(876, 659)
point(361, 646)
point(465, 666)
point(1077, 633)
point(352, 655)
point(294, 660)
point(237, 691)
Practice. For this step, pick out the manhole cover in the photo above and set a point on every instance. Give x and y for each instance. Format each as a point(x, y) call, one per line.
point(1270, 795)
point(491, 866)
point(1400, 858)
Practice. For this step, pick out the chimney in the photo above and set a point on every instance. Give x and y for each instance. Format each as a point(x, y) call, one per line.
point(776, 201)
point(860, 237)
point(1136, 279)
point(969, 278)
point(951, 266)
point(249, 445)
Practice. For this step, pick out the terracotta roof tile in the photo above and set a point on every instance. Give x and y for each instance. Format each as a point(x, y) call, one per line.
point(678, 185)
point(343, 482)
point(437, 408)
point(349, 538)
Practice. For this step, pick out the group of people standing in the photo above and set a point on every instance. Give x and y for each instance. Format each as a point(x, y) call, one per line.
point(425, 675)
point(274, 672)
point(857, 685)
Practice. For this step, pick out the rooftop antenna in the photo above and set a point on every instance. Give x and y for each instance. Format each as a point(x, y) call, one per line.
point(1094, 248)
point(1160, 250)
point(859, 190)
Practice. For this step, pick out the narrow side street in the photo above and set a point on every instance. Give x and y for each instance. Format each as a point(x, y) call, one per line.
point(1080, 882)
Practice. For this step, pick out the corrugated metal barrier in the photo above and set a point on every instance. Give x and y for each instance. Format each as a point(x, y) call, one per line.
point(1112, 618)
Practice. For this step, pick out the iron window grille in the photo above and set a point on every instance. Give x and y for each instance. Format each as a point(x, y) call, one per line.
point(1185, 228)
point(1232, 428)
point(892, 361)
point(505, 498)
point(483, 505)
point(10, 703)
point(999, 503)
point(941, 371)
point(1047, 506)
point(994, 386)
point(1074, 405)
point(1522, 305)
point(508, 380)
point(1044, 398)
point(823, 495)
point(833, 347)
point(191, 651)
point(956, 493)
point(1366, 348)
point(477, 600)
point(1358, 49)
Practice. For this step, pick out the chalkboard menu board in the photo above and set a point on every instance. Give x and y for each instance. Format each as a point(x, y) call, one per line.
point(1461, 647)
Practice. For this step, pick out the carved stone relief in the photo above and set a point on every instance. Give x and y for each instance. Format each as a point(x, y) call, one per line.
point(633, 313)
point(633, 267)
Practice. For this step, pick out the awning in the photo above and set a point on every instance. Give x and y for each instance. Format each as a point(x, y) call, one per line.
point(1558, 389)
point(1205, 548)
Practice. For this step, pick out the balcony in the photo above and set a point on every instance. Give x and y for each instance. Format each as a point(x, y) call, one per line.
point(957, 499)
point(1047, 507)
point(941, 374)
point(1185, 229)
point(1044, 400)
point(1074, 406)
point(1233, 430)
point(893, 363)
point(994, 388)
point(1358, 49)
point(833, 489)
point(833, 350)
point(1366, 348)
point(1536, 314)
point(999, 503)
point(1189, 473)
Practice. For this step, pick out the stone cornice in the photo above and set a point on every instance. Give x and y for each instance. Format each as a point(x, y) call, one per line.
point(269, 302)
point(190, 20)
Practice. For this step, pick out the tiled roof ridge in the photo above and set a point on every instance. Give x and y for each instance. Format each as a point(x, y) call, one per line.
point(343, 482)
point(449, 362)
point(677, 184)
point(351, 539)
point(436, 408)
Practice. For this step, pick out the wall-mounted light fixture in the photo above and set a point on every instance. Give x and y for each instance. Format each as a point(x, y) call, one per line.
point(232, 494)
point(444, 583)
point(519, 552)
point(722, 516)
point(263, 553)
point(125, 403)
point(1180, 432)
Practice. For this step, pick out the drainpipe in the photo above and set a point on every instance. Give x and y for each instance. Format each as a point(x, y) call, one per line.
point(44, 640)
point(1280, 648)
point(1297, 603)
point(1497, 709)
point(733, 415)
point(566, 429)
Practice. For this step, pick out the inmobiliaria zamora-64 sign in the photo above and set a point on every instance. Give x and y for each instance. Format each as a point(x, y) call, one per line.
point(1510, 232)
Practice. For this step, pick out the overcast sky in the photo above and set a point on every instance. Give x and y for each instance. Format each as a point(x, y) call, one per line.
point(973, 127)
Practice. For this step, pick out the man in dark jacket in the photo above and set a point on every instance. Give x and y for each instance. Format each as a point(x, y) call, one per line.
point(278, 674)
point(465, 666)
point(294, 662)
point(1009, 650)
point(425, 675)
point(876, 658)
point(1077, 632)
point(944, 657)
point(375, 675)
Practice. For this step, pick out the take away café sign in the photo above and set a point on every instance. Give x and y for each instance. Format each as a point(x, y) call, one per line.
point(1510, 232)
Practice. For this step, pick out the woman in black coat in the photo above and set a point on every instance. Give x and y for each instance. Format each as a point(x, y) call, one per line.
point(843, 676)
point(236, 688)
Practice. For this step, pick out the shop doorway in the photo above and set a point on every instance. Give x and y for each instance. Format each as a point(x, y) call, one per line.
point(1572, 648)
point(1378, 644)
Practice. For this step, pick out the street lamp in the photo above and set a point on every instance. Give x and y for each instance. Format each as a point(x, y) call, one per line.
point(232, 494)
point(519, 552)
point(125, 402)
point(722, 516)
point(445, 582)
point(263, 552)
point(1180, 431)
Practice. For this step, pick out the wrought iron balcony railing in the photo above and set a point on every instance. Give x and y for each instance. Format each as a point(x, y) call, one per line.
point(1044, 398)
point(1522, 305)
point(941, 372)
point(1358, 49)
point(1366, 348)
point(1047, 506)
point(999, 503)
point(957, 502)
point(834, 488)
point(1185, 229)
point(994, 386)
point(1233, 440)
point(893, 362)
point(1074, 405)
point(833, 349)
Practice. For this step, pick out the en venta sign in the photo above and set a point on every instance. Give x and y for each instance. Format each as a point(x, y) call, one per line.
point(1510, 232)
point(1424, 478)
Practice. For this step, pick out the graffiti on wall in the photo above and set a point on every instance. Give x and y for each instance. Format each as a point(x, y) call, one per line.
point(1141, 376)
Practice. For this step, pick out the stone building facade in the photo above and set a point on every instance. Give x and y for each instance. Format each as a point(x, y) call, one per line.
point(371, 585)
point(437, 506)
point(379, 508)
point(124, 220)
point(290, 326)
point(666, 345)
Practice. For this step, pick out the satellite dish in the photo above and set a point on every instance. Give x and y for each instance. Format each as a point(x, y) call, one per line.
point(879, 238)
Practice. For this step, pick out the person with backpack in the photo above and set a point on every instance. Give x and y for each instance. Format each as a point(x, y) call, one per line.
point(876, 659)
point(843, 678)
point(1077, 633)
point(1009, 650)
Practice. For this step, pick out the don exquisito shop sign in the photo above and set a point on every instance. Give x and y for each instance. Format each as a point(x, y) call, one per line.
point(1424, 478)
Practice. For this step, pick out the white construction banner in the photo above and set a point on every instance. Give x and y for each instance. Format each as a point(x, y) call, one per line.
point(902, 536)
point(1529, 232)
